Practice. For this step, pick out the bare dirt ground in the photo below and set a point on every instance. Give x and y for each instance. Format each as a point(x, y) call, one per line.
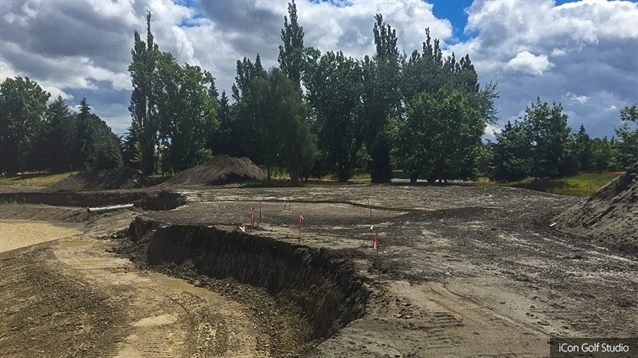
point(461, 272)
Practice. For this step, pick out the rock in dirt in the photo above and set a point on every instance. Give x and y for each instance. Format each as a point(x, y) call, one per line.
point(222, 169)
point(609, 216)
point(123, 178)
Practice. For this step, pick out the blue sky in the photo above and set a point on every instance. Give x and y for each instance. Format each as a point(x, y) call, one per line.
point(580, 53)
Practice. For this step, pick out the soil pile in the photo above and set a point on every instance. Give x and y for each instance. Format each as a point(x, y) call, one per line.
point(609, 216)
point(123, 178)
point(222, 169)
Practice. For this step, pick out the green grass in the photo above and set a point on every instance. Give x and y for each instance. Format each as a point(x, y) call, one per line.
point(583, 184)
point(43, 179)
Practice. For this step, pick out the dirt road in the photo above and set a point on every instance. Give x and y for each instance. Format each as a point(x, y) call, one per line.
point(461, 272)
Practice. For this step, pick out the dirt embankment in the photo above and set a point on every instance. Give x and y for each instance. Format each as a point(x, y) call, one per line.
point(326, 288)
point(222, 169)
point(609, 216)
point(145, 199)
point(122, 178)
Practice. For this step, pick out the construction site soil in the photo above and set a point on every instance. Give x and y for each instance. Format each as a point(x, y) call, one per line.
point(460, 271)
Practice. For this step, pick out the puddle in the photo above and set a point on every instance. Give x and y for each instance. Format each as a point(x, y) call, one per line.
point(15, 234)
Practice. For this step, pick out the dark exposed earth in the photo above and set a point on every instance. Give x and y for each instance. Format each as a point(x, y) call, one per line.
point(460, 271)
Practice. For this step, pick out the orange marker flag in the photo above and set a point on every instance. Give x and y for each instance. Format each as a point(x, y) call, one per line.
point(300, 218)
point(376, 243)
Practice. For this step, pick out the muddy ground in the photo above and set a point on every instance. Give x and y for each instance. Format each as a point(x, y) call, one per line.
point(460, 272)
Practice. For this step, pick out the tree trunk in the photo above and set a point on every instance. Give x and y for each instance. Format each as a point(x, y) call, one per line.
point(414, 177)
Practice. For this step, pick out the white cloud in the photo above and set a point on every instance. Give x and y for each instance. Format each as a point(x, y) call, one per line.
point(576, 99)
point(535, 48)
point(529, 63)
point(581, 52)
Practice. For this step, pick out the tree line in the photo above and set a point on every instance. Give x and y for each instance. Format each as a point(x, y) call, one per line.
point(35, 136)
point(317, 113)
point(540, 144)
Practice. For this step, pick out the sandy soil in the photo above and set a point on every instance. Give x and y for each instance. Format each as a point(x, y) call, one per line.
point(461, 272)
point(15, 234)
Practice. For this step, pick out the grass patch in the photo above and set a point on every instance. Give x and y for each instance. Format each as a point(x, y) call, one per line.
point(582, 184)
point(42, 179)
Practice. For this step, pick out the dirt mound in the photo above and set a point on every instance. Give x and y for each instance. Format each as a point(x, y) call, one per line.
point(609, 216)
point(222, 169)
point(123, 178)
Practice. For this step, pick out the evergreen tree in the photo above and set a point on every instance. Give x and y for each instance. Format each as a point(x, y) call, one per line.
point(583, 149)
point(85, 139)
point(59, 136)
point(511, 153)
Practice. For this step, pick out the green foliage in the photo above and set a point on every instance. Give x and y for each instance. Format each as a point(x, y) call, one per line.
point(291, 53)
point(58, 138)
point(44, 179)
point(548, 134)
point(380, 98)
point(144, 122)
point(440, 137)
point(187, 105)
point(95, 145)
point(603, 155)
point(277, 107)
point(333, 88)
point(22, 113)
point(628, 138)
point(577, 185)
point(582, 149)
point(539, 145)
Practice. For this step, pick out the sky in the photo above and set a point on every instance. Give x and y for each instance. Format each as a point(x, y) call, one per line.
point(583, 54)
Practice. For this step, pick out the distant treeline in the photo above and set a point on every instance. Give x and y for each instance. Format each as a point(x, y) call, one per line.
point(35, 136)
point(316, 114)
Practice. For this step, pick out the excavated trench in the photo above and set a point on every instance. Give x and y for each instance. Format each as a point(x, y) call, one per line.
point(147, 200)
point(326, 288)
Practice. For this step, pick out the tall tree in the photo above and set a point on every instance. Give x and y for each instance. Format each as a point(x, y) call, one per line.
point(85, 138)
point(144, 123)
point(59, 136)
point(22, 110)
point(582, 149)
point(220, 141)
point(334, 89)
point(187, 106)
point(246, 72)
point(511, 153)
point(286, 141)
point(290, 54)
point(603, 155)
point(440, 138)
point(549, 135)
point(380, 98)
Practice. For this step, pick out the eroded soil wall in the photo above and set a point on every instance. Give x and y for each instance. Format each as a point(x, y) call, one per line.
point(143, 199)
point(326, 288)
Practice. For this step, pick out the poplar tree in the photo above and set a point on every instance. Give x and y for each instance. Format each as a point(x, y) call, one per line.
point(144, 122)
point(291, 53)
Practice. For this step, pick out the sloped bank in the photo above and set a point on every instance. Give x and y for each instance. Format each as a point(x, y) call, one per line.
point(147, 200)
point(326, 288)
